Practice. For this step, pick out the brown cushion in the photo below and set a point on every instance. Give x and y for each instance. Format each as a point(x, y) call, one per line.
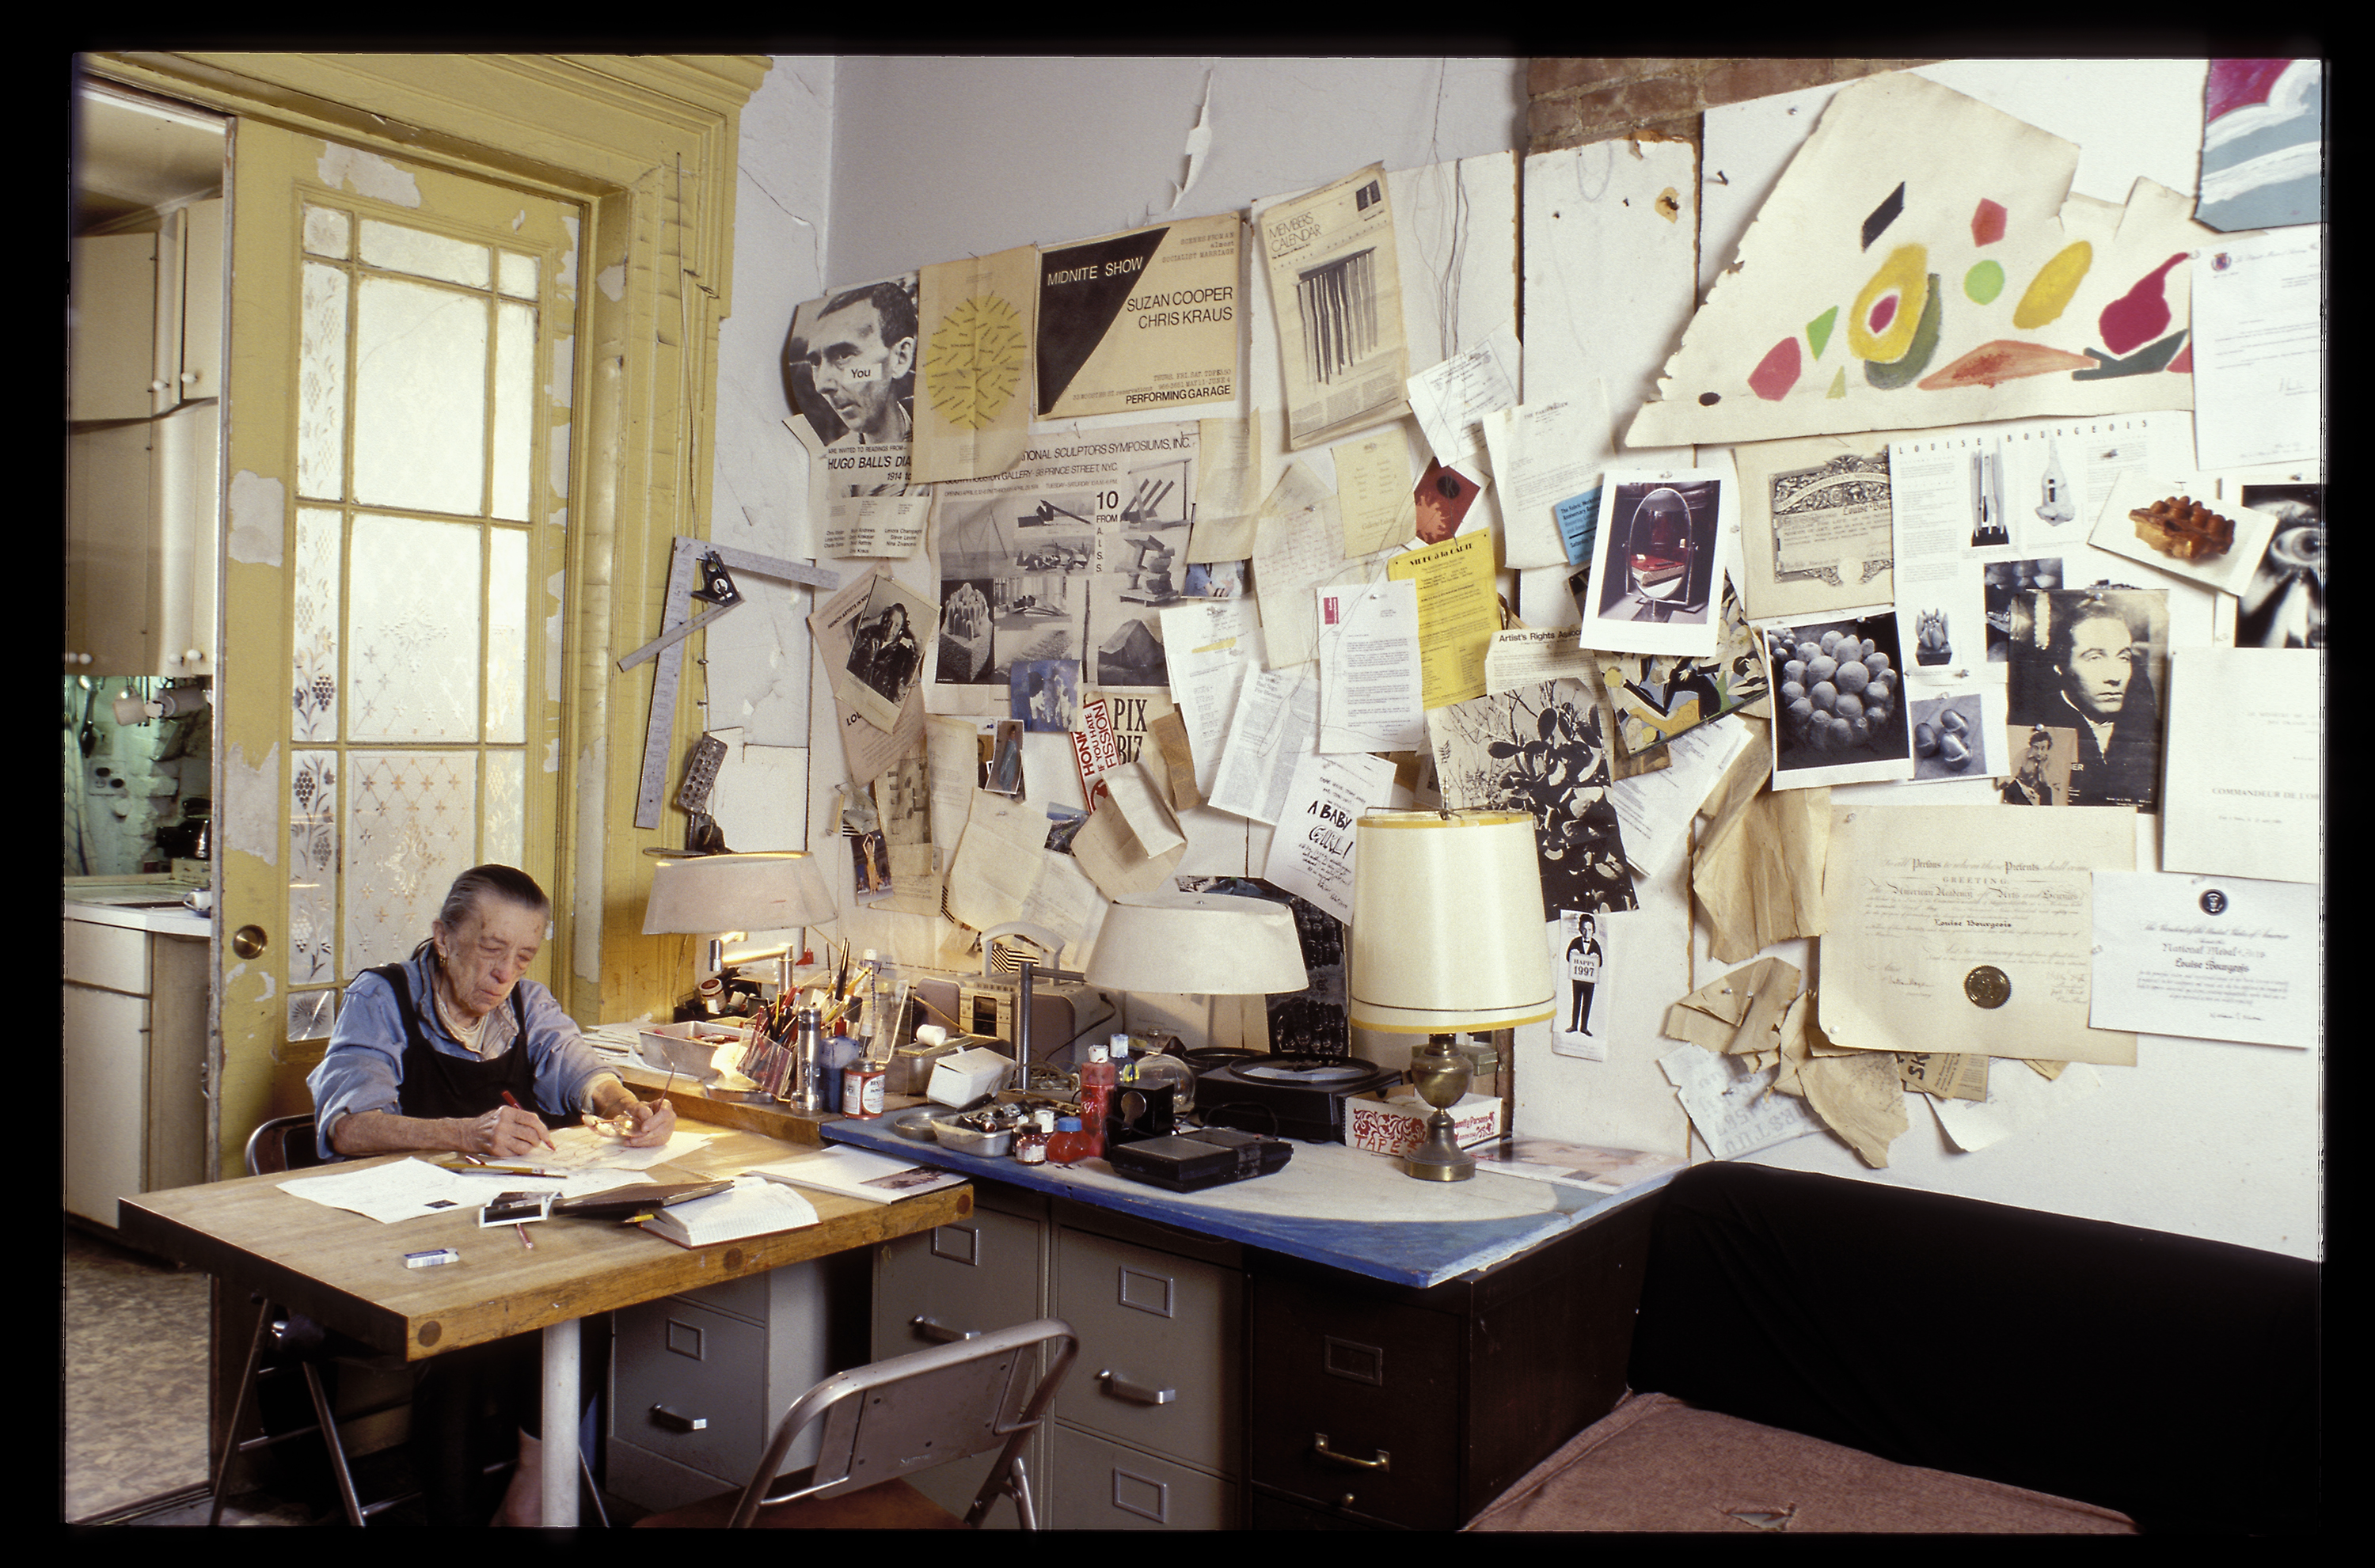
point(1655, 1463)
point(889, 1505)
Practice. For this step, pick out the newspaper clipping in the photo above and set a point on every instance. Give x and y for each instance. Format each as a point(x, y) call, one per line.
point(1073, 553)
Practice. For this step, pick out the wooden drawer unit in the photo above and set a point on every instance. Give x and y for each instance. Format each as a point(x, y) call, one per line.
point(1109, 1486)
point(1430, 1403)
point(1158, 1357)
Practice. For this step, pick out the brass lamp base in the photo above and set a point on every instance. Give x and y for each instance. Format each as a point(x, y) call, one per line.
point(1440, 1073)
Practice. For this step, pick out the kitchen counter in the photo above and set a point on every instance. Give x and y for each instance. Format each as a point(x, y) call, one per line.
point(150, 903)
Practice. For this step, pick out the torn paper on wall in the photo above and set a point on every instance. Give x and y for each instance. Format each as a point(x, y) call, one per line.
point(1921, 263)
point(1734, 1112)
point(832, 629)
point(1452, 398)
point(1311, 855)
point(2015, 1102)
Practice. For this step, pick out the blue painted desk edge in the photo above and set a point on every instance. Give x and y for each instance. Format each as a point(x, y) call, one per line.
point(1413, 1253)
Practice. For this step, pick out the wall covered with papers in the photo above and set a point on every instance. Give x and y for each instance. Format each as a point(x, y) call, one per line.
point(1843, 617)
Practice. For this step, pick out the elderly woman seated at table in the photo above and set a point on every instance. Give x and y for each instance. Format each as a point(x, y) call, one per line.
point(453, 1050)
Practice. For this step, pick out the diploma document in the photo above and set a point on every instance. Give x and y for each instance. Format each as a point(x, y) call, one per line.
point(1968, 928)
point(2209, 957)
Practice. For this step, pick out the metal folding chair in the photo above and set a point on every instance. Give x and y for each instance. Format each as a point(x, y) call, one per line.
point(880, 1423)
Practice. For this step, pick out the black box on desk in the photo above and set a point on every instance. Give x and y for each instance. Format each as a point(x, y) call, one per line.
point(1192, 1162)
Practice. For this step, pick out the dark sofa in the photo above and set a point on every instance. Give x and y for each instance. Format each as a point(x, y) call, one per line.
point(1814, 1352)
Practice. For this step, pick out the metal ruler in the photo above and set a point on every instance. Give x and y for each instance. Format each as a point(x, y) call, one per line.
point(684, 574)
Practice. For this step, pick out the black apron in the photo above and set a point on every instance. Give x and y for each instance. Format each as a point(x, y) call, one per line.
point(436, 1084)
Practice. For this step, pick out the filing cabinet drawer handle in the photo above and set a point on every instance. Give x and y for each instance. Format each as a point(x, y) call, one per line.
point(1121, 1388)
point(668, 1421)
point(939, 1333)
point(1384, 1461)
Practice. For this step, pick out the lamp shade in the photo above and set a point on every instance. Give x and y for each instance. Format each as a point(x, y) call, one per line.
point(1199, 944)
point(768, 892)
point(1447, 924)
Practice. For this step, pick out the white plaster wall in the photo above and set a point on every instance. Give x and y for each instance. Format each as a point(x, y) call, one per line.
point(757, 677)
point(938, 157)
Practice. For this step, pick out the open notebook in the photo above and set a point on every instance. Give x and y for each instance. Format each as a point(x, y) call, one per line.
point(750, 1207)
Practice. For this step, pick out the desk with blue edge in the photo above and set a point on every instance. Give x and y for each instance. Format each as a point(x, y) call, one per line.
point(1408, 1348)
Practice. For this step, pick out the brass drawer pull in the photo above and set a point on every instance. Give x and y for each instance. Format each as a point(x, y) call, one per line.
point(939, 1333)
point(1122, 1389)
point(1384, 1461)
point(668, 1421)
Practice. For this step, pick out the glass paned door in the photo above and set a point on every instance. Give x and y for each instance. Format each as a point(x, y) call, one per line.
point(399, 432)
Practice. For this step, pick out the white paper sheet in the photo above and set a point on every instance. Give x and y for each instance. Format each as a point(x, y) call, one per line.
point(1967, 928)
point(1276, 724)
point(1542, 453)
point(2017, 1100)
point(2260, 348)
point(1369, 674)
point(1311, 853)
point(2245, 784)
point(1209, 646)
point(1452, 397)
point(1655, 808)
point(2209, 958)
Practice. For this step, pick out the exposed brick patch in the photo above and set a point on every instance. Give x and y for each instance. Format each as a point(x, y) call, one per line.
point(1744, 80)
point(1574, 100)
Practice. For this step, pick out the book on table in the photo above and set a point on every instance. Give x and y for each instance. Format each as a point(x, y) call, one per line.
point(858, 1172)
point(747, 1208)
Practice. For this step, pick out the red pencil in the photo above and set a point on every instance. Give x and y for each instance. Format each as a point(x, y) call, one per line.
point(540, 1133)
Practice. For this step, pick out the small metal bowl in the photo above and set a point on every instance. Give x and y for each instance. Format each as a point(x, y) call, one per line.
point(915, 1124)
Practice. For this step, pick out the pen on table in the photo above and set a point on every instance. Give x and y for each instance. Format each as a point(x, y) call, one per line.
point(523, 1241)
point(486, 1170)
point(539, 1128)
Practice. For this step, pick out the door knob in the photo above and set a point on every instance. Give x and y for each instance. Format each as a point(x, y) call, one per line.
point(249, 941)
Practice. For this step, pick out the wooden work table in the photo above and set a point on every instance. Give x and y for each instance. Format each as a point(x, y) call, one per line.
point(347, 1271)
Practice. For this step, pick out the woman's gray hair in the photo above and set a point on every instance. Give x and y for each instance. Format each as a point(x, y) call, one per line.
point(506, 882)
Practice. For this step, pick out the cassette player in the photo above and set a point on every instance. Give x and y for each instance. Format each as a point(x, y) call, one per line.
point(1190, 1161)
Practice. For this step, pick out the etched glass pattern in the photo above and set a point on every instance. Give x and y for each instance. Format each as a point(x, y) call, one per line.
point(514, 407)
point(313, 624)
point(411, 828)
point(311, 1014)
point(420, 396)
point(506, 635)
point(328, 231)
point(412, 631)
point(506, 819)
point(423, 254)
point(322, 384)
point(313, 867)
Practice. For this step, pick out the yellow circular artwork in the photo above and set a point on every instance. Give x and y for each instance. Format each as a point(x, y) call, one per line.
point(976, 361)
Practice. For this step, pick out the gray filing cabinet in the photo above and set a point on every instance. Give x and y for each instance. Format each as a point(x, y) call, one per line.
point(699, 1380)
point(1147, 1428)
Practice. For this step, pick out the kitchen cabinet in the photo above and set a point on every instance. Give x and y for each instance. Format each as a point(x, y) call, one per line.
point(148, 317)
point(142, 575)
point(136, 1053)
